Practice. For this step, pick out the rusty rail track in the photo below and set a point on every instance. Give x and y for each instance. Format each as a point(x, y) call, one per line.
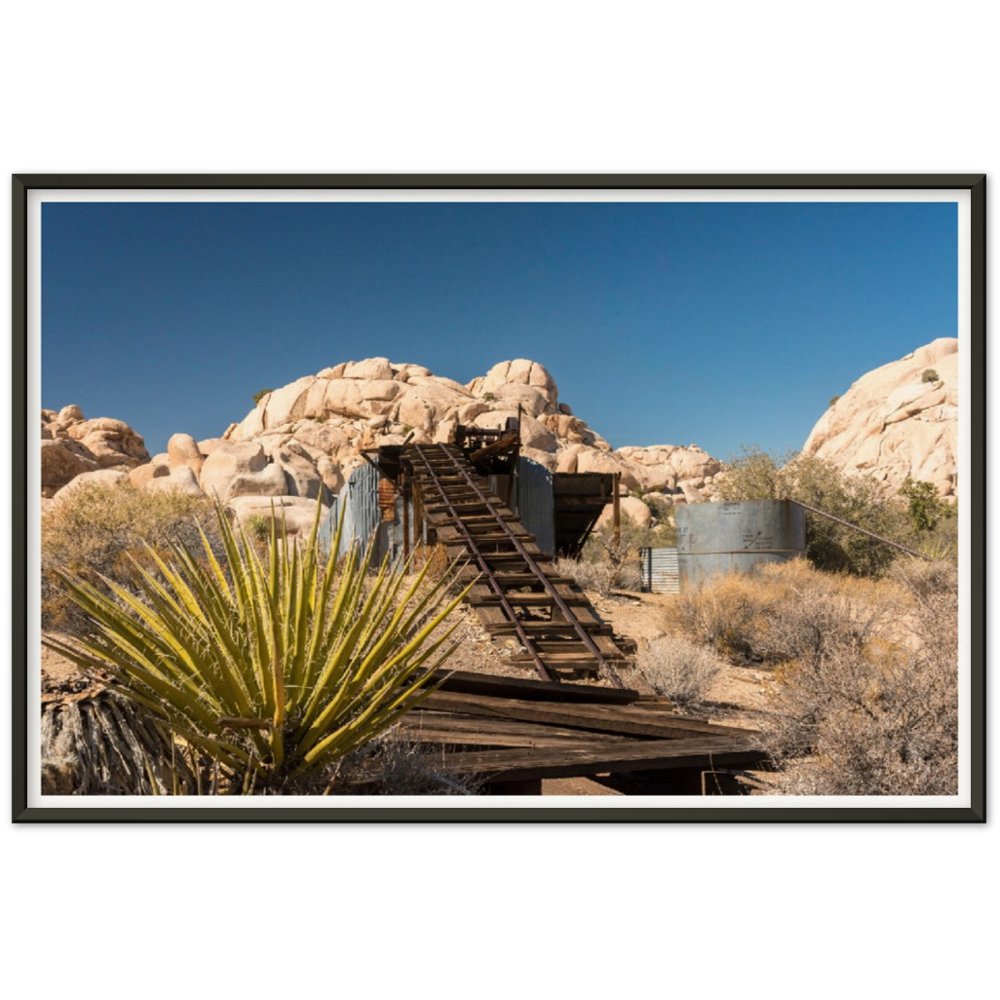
point(518, 586)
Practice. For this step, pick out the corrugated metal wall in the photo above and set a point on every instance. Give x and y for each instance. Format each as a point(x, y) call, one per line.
point(365, 501)
point(659, 571)
point(533, 503)
point(358, 500)
point(535, 506)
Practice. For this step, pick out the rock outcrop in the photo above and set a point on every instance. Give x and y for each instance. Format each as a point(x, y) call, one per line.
point(897, 421)
point(303, 440)
point(328, 419)
point(300, 443)
point(73, 445)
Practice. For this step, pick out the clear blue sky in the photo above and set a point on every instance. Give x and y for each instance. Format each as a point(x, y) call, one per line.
point(714, 324)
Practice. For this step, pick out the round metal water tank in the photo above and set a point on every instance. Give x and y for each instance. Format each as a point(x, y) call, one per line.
point(715, 538)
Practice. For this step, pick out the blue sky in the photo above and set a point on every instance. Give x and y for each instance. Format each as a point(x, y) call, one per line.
point(714, 324)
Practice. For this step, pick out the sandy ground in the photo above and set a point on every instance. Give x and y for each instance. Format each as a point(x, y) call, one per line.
point(62, 679)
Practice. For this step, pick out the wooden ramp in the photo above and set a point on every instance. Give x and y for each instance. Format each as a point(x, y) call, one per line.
point(518, 593)
point(509, 731)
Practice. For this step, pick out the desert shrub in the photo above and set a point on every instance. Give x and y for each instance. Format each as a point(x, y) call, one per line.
point(777, 612)
point(729, 615)
point(940, 543)
point(590, 575)
point(881, 719)
point(834, 400)
point(930, 375)
point(817, 623)
point(272, 667)
point(258, 527)
point(865, 699)
point(97, 529)
point(402, 768)
point(258, 396)
point(859, 500)
point(664, 525)
point(925, 508)
point(617, 558)
point(864, 691)
point(600, 575)
point(925, 577)
point(678, 669)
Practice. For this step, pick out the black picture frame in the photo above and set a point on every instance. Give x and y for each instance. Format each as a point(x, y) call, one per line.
point(974, 494)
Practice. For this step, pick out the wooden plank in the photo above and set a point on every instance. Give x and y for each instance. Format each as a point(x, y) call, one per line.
point(557, 628)
point(622, 719)
point(466, 682)
point(523, 600)
point(507, 578)
point(595, 758)
point(449, 729)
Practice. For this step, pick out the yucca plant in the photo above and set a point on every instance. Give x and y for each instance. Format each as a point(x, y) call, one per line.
point(274, 665)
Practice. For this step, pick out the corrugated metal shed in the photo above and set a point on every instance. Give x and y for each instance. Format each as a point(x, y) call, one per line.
point(373, 515)
point(658, 571)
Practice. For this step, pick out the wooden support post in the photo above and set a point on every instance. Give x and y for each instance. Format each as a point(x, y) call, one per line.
point(418, 519)
point(618, 511)
point(406, 517)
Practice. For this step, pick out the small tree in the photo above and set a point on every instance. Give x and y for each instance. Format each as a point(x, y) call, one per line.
point(925, 507)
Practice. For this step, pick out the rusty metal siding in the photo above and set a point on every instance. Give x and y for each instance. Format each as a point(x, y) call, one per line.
point(387, 498)
point(716, 538)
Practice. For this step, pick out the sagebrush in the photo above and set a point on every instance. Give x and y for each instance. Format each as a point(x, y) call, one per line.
point(679, 669)
point(864, 672)
point(96, 531)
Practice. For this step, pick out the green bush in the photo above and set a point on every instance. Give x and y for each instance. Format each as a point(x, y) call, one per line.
point(258, 396)
point(859, 500)
point(930, 375)
point(258, 527)
point(925, 507)
point(833, 401)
